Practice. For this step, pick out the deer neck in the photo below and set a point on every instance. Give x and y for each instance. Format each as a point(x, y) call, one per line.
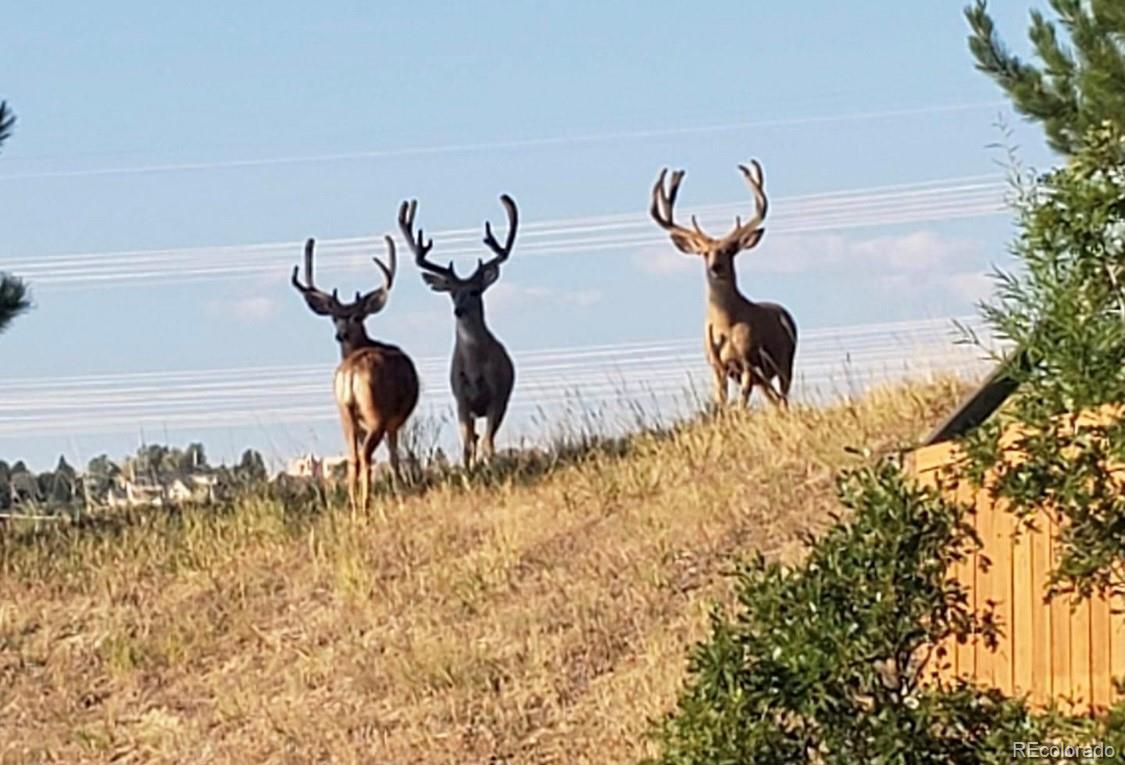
point(354, 343)
point(472, 331)
point(723, 297)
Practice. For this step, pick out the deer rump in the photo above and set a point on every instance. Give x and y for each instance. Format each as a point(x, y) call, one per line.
point(369, 383)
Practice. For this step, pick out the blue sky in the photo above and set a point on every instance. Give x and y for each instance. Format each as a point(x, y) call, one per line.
point(830, 96)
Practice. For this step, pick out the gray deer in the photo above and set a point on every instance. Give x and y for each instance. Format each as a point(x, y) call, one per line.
point(481, 372)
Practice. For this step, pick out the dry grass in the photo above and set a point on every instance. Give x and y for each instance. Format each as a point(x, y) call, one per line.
point(541, 620)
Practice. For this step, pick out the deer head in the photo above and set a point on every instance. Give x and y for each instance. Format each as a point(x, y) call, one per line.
point(718, 252)
point(466, 292)
point(347, 317)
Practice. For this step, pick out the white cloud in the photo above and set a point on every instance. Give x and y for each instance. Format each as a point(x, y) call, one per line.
point(915, 252)
point(418, 320)
point(582, 298)
point(664, 260)
point(897, 283)
point(508, 296)
point(973, 286)
point(250, 310)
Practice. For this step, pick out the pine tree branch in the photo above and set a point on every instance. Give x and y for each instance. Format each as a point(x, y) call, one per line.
point(1059, 62)
point(1030, 95)
point(1059, 106)
point(1110, 15)
point(1069, 11)
point(14, 299)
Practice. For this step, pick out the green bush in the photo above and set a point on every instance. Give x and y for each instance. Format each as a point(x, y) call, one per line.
point(821, 663)
point(824, 663)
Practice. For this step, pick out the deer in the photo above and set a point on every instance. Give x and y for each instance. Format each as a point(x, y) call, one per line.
point(751, 343)
point(375, 384)
point(481, 374)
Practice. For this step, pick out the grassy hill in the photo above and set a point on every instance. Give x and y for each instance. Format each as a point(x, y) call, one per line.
point(541, 618)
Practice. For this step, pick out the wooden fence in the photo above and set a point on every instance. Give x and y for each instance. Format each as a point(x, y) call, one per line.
point(1066, 651)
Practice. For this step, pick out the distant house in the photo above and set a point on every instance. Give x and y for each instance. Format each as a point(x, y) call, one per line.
point(311, 466)
point(203, 488)
point(305, 466)
point(130, 493)
point(178, 491)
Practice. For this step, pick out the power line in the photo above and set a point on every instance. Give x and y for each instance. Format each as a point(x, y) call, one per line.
point(289, 394)
point(939, 328)
point(469, 148)
point(875, 206)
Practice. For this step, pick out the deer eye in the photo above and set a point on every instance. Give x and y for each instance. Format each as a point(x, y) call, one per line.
point(475, 293)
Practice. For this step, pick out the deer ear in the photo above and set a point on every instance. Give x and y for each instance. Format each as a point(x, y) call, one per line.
point(489, 275)
point(753, 239)
point(750, 240)
point(683, 243)
point(319, 303)
point(374, 302)
point(437, 283)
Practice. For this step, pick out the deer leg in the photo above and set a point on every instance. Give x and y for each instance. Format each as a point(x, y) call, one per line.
point(351, 440)
point(370, 440)
point(392, 450)
point(778, 396)
point(745, 388)
point(468, 438)
point(720, 385)
point(784, 381)
point(775, 398)
point(495, 417)
point(782, 395)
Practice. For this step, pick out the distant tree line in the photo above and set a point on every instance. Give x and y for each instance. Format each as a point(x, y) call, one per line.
point(64, 490)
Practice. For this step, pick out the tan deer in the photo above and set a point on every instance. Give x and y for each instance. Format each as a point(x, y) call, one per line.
point(481, 373)
point(751, 343)
point(376, 384)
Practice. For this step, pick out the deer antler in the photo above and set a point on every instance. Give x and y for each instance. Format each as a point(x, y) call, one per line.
point(388, 272)
point(320, 302)
point(502, 253)
point(417, 242)
point(662, 211)
point(329, 304)
point(756, 179)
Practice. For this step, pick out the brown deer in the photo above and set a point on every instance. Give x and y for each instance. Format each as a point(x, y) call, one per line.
point(376, 384)
point(481, 373)
point(751, 343)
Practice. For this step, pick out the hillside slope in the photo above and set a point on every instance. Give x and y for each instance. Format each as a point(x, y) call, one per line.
point(542, 620)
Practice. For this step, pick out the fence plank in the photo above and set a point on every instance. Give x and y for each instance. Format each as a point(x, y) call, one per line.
point(967, 571)
point(1117, 638)
point(1060, 637)
point(1101, 683)
point(986, 579)
point(1042, 688)
point(1023, 611)
point(1080, 652)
